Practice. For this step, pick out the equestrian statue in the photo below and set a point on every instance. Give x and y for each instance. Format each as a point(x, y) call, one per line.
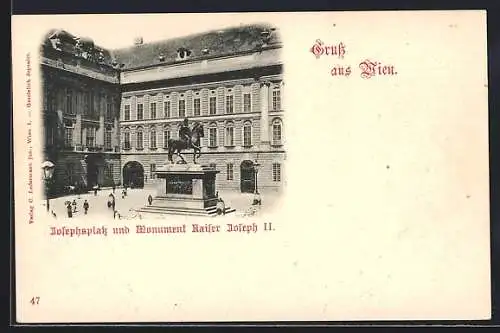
point(188, 139)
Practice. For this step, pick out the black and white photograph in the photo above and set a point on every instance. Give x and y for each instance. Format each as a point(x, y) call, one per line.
point(189, 125)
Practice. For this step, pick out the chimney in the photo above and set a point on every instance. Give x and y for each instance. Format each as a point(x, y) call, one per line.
point(138, 41)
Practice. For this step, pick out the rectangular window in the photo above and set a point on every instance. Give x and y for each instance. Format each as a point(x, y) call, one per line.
point(126, 113)
point(166, 108)
point(49, 135)
point(166, 137)
point(229, 136)
point(140, 144)
point(247, 103)
point(213, 105)
point(109, 171)
point(92, 104)
point(107, 140)
point(152, 171)
point(229, 104)
point(69, 102)
point(90, 137)
point(276, 100)
point(229, 171)
point(86, 103)
point(276, 172)
point(197, 107)
point(109, 111)
point(182, 108)
point(126, 139)
point(152, 107)
point(212, 136)
point(68, 137)
point(140, 111)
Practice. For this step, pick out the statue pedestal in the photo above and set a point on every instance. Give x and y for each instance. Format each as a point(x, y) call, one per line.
point(186, 189)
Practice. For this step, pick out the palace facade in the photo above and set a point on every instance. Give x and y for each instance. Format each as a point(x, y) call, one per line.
point(229, 80)
point(81, 108)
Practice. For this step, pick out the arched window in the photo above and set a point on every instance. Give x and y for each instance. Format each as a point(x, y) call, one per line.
point(229, 134)
point(277, 132)
point(247, 133)
point(152, 138)
point(139, 139)
point(126, 138)
point(212, 135)
point(166, 136)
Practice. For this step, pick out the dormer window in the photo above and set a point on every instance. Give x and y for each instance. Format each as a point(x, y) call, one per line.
point(265, 36)
point(183, 53)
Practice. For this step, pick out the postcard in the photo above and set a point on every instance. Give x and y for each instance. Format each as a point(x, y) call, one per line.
point(314, 166)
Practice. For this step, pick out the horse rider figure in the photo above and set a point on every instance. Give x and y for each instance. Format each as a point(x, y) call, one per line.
point(185, 133)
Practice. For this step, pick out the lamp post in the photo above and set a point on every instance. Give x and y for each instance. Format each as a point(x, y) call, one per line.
point(256, 196)
point(256, 166)
point(48, 171)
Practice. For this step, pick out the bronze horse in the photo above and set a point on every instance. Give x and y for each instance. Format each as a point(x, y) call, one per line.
point(178, 145)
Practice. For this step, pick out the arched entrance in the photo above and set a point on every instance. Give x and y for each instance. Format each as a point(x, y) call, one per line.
point(133, 175)
point(247, 175)
point(95, 167)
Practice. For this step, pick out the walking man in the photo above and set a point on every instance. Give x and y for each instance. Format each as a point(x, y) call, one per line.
point(70, 211)
point(86, 206)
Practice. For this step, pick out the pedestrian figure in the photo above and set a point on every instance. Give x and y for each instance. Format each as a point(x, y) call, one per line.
point(114, 187)
point(221, 207)
point(113, 204)
point(70, 211)
point(150, 199)
point(257, 200)
point(74, 205)
point(86, 206)
point(95, 191)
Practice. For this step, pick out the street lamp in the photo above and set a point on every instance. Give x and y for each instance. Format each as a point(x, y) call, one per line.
point(256, 199)
point(256, 166)
point(48, 172)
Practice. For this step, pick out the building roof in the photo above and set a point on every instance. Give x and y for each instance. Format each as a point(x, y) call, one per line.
point(210, 44)
point(68, 44)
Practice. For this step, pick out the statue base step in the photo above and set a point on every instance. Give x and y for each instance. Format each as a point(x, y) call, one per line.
point(208, 212)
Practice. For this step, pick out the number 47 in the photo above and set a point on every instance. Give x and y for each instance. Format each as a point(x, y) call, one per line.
point(35, 300)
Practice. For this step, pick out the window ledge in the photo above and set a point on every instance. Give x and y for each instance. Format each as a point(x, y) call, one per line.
point(276, 144)
point(247, 146)
point(139, 148)
point(229, 146)
point(153, 148)
point(212, 147)
point(126, 148)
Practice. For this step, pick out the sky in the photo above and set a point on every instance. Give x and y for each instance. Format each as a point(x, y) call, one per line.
point(118, 31)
